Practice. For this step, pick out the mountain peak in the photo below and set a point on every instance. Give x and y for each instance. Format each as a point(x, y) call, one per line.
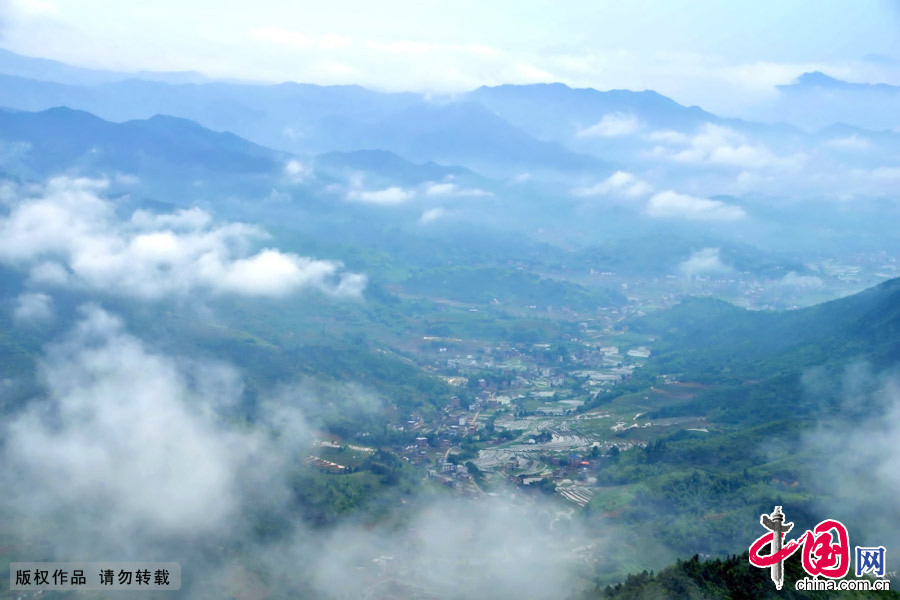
point(818, 79)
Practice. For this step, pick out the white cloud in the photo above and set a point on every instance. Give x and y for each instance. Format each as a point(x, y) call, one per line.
point(703, 262)
point(852, 142)
point(33, 308)
point(668, 136)
point(619, 183)
point(440, 189)
point(669, 204)
point(395, 195)
point(274, 273)
point(718, 145)
point(69, 235)
point(136, 446)
point(433, 214)
point(856, 464)
point(490, 548)
point(389, 196)
point(296, 171)
point(434, 189)
point(137, 443)
point(185, 219)
point(612, 125)
point(127, 438)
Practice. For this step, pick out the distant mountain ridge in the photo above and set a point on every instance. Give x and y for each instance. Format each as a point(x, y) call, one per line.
point(63, 136)
point(816, 100)
point(44, 69)
point(514, 103)
point(539, 107)
point(306, 118)
point(818, 79)
point(503, 131)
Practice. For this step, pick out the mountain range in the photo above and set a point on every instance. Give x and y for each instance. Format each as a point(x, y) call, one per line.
point(502, 131)
point(447, 252)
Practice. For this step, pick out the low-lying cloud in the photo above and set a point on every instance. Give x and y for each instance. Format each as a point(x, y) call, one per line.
point(669, 204)
point(33, 308)
point(619, 183)
point(433, 214)
point(128, 454)
point(854, 456)
point(297, 171)
point(127, 440)
point(396, 195)
point(718, 145)
point(446, 188)
point(853, 143)
point(612, 125)
point(493, 548)
point(388, 196)
point(68, 235)
point(703, 262)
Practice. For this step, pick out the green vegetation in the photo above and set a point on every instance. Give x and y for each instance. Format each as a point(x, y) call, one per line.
point(714, 340)
point(699, 493)
point(323, 498)
point(769, 379)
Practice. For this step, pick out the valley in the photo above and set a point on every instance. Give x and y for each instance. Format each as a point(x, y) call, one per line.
point(504, 336)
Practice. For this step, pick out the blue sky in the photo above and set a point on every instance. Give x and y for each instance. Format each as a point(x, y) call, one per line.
point(721, 55)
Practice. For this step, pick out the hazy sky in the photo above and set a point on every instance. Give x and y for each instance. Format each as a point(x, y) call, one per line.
point(719, 54)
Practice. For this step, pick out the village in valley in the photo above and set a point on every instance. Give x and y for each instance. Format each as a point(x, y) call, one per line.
point(529, 416)
point(545, 417)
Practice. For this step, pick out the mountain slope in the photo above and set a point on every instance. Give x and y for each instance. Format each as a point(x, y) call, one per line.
point(871, 106)
point(467, 133)
point(549, 109)
point(54, 71)
point(782, 398)
point(282, 115)
point(309, 118)
point(707, 335)
point(44, 142)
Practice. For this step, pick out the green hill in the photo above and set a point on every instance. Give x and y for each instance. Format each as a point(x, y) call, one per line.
point(704, 335)
point(769, 380)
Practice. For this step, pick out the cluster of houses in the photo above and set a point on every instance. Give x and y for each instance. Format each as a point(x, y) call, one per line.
point(451, 475)
point(326, 466)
